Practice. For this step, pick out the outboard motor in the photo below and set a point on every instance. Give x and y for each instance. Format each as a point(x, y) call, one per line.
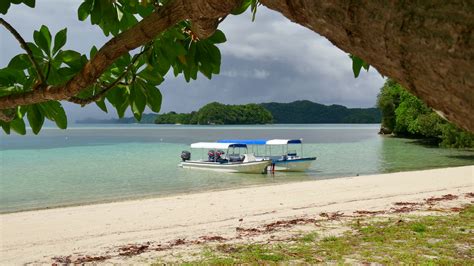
point(185, 156)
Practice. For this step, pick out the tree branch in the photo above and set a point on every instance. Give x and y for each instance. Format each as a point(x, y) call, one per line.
point(25, 47)
point(102, 93)
point(7, 116)
point(138, 35)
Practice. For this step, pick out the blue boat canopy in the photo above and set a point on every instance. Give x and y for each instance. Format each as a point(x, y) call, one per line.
point(244, 141)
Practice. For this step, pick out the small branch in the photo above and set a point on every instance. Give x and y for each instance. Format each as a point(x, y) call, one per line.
point(25, 47)
point(116, 82)
point(100, 94)
point(7, 116)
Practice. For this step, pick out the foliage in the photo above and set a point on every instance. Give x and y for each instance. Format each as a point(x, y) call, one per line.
point(131, 82)
point(220, 114)
point(307, 112)
point(406, 115)
point(411, 240)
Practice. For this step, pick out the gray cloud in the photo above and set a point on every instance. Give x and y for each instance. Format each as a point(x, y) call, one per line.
point(271, 59)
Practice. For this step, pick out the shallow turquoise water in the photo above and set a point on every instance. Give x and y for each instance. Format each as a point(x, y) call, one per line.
point(91, 164)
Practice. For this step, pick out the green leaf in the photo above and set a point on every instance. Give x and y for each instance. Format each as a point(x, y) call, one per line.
point(356, 65)
point(59, 40)
point(54, 112)
point(101, 105)
point(119, 98)
point(69, 56)
point(18, 125)
point(47, 36)
point(4, 6)
point(35, 118)
point(84, 10)
point(19, 62)
point(138, 102)
point(153, 96)
point(218, 37)
point(35, 49)
point(241, 9)
point(151, 76)
point(30, 3)
point(5, 127)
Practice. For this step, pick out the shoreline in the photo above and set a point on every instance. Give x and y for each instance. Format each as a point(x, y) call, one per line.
point(40, 235)
point(140, 198)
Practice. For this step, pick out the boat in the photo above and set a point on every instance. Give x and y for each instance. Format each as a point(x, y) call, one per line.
point(225, 157)
point(286, 160)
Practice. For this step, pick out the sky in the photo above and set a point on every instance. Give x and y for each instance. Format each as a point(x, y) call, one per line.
point(269, 60)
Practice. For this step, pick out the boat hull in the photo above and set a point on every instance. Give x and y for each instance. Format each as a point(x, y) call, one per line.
point(295, 165)
point(257, 167)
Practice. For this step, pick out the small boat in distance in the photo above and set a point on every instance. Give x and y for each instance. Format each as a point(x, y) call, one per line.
point(225, 157)
point(288, 160)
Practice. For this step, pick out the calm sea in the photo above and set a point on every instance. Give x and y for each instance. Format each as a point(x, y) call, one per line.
point(99, 163)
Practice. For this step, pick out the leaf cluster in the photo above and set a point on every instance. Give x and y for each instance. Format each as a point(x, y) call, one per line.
point(220, 114)
point(132, 81)
point(406, 115)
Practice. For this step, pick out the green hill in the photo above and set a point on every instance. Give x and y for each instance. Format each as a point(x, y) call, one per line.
point(298, 112)
point(307, 112)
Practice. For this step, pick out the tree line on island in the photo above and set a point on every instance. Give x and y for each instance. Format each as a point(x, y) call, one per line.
point(405, 115)
point(297, 112)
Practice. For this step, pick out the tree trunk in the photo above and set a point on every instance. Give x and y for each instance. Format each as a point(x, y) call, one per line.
point(427, 46)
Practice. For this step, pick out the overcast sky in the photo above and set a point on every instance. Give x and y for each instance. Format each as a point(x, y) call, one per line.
point(271, 59)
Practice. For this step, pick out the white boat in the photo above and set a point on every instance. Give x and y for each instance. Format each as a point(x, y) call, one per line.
point(225, 157)
point(286, 160)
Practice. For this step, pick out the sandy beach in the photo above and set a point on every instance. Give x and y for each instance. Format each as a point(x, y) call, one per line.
point(38, 236)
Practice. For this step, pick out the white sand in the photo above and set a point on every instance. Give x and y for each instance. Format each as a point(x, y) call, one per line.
point(37, 236)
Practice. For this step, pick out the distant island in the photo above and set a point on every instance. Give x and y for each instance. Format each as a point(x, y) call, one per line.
point(297, 112)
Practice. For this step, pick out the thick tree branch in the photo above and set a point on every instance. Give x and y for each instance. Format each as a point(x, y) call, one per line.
point(427, 46)
point(25, 47)
point(140, 34)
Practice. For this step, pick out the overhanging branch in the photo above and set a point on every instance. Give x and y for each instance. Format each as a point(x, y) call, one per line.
point(140, 34)
point(25, 47)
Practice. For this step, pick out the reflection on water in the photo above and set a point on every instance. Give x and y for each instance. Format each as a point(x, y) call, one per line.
point(96, 164)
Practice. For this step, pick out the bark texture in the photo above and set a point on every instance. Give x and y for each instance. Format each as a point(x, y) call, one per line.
point(427, 46)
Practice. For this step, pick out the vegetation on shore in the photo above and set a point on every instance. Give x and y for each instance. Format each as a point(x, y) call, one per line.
point(433, 239)
point(220, 114)
point(297, 112)
point(307, 112)
point(403, 114)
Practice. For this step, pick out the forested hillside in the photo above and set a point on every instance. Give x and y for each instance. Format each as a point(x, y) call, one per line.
point(307, 112)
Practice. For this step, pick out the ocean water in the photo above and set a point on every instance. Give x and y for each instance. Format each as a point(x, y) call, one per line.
point(99, 163)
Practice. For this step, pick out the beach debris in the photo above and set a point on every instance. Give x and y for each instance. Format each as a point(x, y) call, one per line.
point(248, 231)
point(446, 197)
point(133, 249)
point(331, 216)
point(404, 209)
point(178, 242)
point(405, 203)
point(78, 259)
point(288, 223)
point(213, 238)
point(469, 195)
point(365, 212)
